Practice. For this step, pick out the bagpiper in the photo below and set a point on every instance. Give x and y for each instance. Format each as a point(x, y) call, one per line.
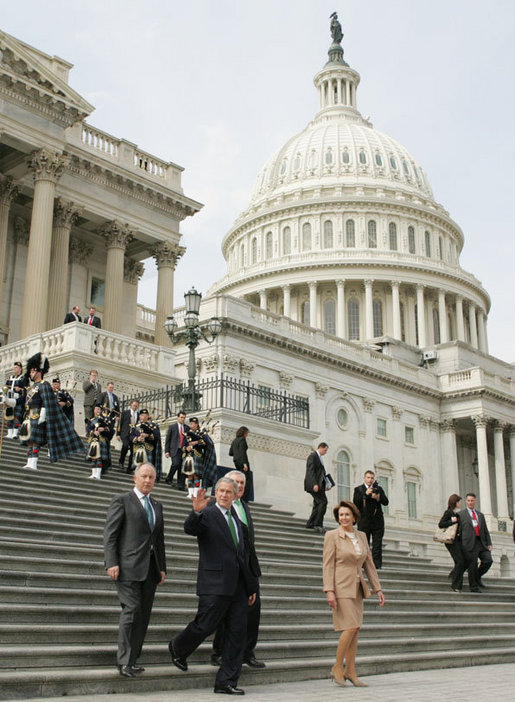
point(43, 420)
point(146, 439)
point(14, 400)
point(199, 457)
point(99, 431)
point(64, 400)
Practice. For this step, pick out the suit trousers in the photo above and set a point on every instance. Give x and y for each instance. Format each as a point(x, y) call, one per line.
point(136, 599)
point(377, 534)
point(127, 447)
point(176, 468)
point(459, 564)
point(316, 518)
point(253, 619)
point(212, 610)
point(485, 559)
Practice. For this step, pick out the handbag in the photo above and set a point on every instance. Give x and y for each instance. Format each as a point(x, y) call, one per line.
point(446, 536)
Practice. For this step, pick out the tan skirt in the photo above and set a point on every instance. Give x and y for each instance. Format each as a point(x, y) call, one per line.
point(349, 612)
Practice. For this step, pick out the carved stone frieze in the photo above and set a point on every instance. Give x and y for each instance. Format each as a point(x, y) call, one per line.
point(66, 213)
point(79, 251)
point(397, 413)
point(424, 422)
point(117, 234)
point(285, 380)
point(21, 231)
point(167, 254)
point(321, 390)
point(47, 165)
point(132, 270)
point(267, 444)
point(368, 404)
point(211, 363)
point(230, 363)
point(246, 368)
point(8, 190)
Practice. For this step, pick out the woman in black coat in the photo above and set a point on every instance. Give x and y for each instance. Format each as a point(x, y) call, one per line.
point(238, 451)
point(450, 517)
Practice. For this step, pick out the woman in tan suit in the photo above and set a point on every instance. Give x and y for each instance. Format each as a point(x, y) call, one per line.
point(346, 553)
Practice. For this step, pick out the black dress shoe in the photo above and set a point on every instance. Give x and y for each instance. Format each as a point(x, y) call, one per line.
point(136, 669)
point(216, 659)
point(228, 690)
point(127, 671)
point(253, 662)
point(476, 590)
point(179, 662)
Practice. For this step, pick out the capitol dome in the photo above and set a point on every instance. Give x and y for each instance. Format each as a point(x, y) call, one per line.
point(342, 233)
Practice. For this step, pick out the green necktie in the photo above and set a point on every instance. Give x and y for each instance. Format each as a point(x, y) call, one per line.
point(150, 515)
point(241, 512)
point(232, 528)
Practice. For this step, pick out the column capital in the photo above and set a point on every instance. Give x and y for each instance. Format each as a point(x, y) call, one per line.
point(117, 235)
point(21, 231)
point(369, 282)
point(286, 286)
point(340, 283)
point(448, 425)
point(8, 190)
point(395, 284)
point(441, 293)
point(421, 287)
point(480, 420)
point(459, 298)
point(313, 284)
point(66, 213)
point(167, 254)
point(499, 426)
point(132, 270)
point(79, 251)
point(512, 431)
point(47, 164)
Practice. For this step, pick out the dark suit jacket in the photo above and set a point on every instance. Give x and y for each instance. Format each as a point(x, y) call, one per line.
point(104, 400)
point(92, 392)
point(70, 317)
point(315, 473)
point(468, 535)
point(128, 541)
point(125, 424)
point(238, 451)
point(370, 509)
point(172, 439)
point(220, 562)
point(95, 323)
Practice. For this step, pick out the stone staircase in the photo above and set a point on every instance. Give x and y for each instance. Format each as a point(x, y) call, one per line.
point(59, 611)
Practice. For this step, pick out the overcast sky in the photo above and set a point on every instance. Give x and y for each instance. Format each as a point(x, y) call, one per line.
point(219, 85)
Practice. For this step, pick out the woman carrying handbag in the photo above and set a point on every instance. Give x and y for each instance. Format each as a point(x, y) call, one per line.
point(450, 517)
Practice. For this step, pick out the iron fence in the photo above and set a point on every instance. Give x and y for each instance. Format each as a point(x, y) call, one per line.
point(228, 393)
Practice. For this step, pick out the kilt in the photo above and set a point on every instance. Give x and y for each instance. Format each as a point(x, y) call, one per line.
point(38, 432)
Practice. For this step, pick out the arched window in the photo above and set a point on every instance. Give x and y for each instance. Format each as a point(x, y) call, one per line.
point(377, 309)
point(296, 163)
point(343, 475)
point(411, 240)
point(379, 160)
point(269, 245)
point(253, 250)
point(286, 240)
point(393, 163)
point(329, 157)
point(436, 325)
point(405, 167)
point(304, 312)
point(346, 157)
point(372, 234)
point(362, 157)
point(330, 317)
point(284, 165)
point(403, 322)
point(353, 319)
point(350, 233)
point(306, 236)
point(427, 241)
point(242, 255)
point(440, 248)
point(392, 229)
point(328, 234)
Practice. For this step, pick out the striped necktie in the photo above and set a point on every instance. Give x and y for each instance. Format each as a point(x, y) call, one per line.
point(150, 514)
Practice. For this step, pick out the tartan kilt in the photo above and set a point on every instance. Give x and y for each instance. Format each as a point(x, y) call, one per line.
point(105, 452)
point(38, 432)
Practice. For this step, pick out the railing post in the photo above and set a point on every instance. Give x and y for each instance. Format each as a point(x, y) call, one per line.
point(221, 389)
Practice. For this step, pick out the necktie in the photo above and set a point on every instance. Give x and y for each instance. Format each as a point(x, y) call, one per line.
point(110, 401)
point(181, 435)
point(474, 517)
point(148, 510)
point(232, 528)
point(241, 512)
point(90, 321)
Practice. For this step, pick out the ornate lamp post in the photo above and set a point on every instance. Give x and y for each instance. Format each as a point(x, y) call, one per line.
point(191, 335)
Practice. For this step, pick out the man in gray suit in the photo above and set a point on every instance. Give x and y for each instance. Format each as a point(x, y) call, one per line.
point(92, 391)
point(475, 542)
point(134, 552)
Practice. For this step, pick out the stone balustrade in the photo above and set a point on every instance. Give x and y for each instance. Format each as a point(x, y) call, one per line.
point(471, 378)
point(145, 318)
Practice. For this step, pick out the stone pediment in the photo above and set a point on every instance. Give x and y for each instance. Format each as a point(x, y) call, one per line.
point(26, 76)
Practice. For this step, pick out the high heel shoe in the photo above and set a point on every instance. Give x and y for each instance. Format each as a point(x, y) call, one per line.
point(338, 680)
point(355, 681)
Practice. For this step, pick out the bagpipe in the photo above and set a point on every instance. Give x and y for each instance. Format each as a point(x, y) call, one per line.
point(140, 449)
point(8, 398)
point(103, 421)
point(198, 437)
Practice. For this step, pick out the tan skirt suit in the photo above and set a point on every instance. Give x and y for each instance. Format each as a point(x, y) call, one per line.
point(343, 574)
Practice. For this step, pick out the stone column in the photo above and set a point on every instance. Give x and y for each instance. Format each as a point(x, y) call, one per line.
point(442, 315)
point(369, 311)
point(501, 486)
point(166, 256)
point(460, 324)
point(396, 310)
point(512, 463)
point(313, 304)
point(262, 299)
point(421, 316)
point(340, 309)
point(286, 300)
point(117, 236)
point(473, 325)
point(47, 166)
point(481, 329)
point(65, 215)
point(480, 422)
point(450, 458)
point(8, 191)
